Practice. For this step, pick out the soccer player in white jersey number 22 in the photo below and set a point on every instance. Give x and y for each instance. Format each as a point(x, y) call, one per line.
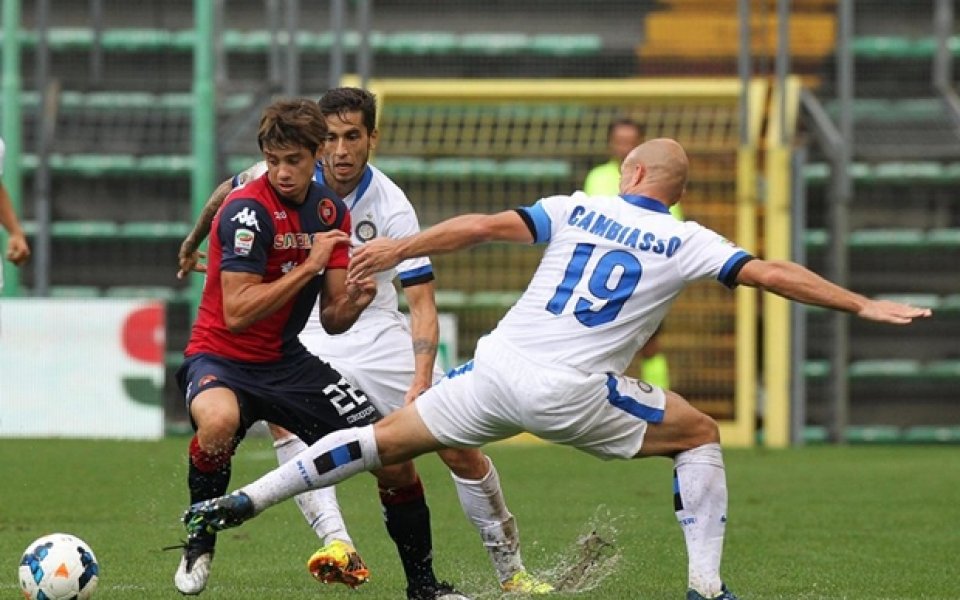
point(553, 366)
point(380, 354)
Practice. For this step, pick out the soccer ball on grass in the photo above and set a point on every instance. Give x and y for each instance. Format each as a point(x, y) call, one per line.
point(58, 566)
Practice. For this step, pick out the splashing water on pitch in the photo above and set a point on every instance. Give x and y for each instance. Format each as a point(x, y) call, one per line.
point(582, 567)
point(593, 557)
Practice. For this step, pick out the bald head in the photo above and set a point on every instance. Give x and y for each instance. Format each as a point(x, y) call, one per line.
point(656, 168)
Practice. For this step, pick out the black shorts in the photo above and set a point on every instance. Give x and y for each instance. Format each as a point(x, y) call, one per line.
point(305, 396)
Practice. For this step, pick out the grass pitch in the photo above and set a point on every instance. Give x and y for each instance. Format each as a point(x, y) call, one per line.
point(822, 522)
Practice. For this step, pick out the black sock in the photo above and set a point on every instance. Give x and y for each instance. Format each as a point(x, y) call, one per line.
point(408, 522)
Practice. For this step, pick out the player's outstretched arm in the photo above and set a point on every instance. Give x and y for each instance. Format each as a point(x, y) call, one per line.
point(190, 255)
point(795, 282)
point(447, 236)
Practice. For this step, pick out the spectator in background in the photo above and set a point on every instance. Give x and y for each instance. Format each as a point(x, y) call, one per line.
point(623, 135)
point(18, 251)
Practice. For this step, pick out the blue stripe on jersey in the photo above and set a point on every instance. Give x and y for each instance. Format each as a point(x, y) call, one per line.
point(632, 405)
point(646, 202)
point(541, 220)
point(728, 274)
point(416, 273)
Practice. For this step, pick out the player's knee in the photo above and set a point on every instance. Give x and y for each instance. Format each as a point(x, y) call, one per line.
point(465, 463)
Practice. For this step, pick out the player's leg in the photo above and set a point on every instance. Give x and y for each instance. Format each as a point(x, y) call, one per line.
point(215, 414)
point(481, 497)
point(319, 507)
point(337, 561)
point(692, 439)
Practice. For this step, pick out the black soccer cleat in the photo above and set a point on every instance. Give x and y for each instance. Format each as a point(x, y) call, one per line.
point(217, 514)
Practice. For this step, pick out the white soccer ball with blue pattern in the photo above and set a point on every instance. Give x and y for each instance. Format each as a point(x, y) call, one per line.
point(58, 566)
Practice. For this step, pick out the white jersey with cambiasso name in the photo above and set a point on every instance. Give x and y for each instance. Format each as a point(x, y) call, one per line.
point(611, 269)
point(378, 208)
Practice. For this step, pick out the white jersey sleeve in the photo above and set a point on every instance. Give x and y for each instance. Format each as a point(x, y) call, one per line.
point(249, 174)
point(403, 223)
point(3, 151)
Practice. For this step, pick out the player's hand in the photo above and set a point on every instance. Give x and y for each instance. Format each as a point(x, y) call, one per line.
point(322, 248)
point(362, 292)
point(887, 311)
point(374, 256)
point(189, 258)
point(416, 389)
point(18, 251)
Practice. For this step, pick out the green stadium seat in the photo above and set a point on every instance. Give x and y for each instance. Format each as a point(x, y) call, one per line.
point(536, 170)
point(401, 166)
point(932, 434)
point(494, 299)
point(893, 368)
point(942, 369)
point(892, 111)
point(877, 434)
point(494, 44)
point(566, 45)
point(418, 43)
point(84, 229)
point(950, 302)
point(890, 173)
point(155, 230)
point(886, 238)
point(903, 239)
point(944, 238)
point(890, 47)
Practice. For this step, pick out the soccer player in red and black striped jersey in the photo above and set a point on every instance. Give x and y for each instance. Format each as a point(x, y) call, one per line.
point(276, 244)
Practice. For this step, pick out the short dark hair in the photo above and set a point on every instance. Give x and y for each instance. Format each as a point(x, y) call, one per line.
point(292, 122)
point(621, 122)
point(342, 100)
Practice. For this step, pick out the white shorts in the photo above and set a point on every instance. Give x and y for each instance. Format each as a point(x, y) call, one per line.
point(502, 392)
point(377, 358)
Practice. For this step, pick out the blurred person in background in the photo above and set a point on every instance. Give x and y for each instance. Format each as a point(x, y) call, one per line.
point(391, 359)
point(17, 251)
point(623, 135)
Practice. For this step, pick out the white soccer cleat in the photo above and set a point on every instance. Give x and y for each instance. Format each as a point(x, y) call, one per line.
point(194, 571)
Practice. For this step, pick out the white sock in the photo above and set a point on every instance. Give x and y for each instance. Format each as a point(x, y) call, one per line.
point(700, 497)
point(330, 460)
point(319, 507)
point(482, 501)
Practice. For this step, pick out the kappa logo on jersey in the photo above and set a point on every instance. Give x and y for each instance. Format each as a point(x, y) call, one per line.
point(287, 266)
point(243, 242)
point(248, 218)
point(327, 211)
point(366, 231)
